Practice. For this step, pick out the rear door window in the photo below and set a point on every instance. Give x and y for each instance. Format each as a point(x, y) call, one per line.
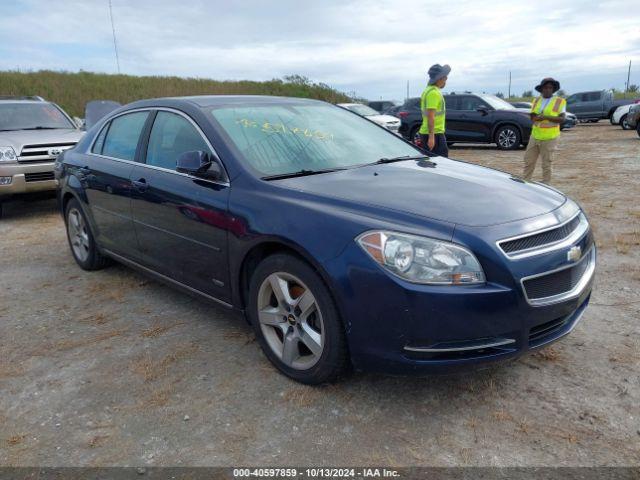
point(471, 103)
point(451, 102)
point(122, 137)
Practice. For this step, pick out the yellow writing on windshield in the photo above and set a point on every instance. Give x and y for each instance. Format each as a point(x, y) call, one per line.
point(281, 128)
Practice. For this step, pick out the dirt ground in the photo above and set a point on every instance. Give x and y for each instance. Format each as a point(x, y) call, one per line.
point(111, 368)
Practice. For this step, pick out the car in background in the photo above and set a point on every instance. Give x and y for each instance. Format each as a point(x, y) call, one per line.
point(595, 105)
point(382, 106)
point(473, 118)
point(387, 121)
point(526, 105)
point(620, 116)
point(33, 132)
point(570, 121)
point(343, 245)
point(633, 117)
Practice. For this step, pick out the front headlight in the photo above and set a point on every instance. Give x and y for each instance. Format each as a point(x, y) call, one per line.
point(7, 154)
point(422, 259)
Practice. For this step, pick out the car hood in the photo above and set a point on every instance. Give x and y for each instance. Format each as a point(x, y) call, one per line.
point(451, 191)
point(19, 138)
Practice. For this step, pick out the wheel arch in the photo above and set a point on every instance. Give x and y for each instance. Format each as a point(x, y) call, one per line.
point(258, 252)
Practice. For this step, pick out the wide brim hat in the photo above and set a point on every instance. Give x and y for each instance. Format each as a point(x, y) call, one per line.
point(437, 71)
point(553, 81)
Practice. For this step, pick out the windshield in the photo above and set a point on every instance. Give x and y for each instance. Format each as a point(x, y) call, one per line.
point(287, 138)
point(363, 110)
point(23, 116)
point(496, 102)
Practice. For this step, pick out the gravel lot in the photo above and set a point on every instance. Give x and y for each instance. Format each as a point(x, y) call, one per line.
point(111, 368)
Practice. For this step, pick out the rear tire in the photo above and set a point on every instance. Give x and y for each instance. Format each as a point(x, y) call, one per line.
point(508, 137)
point(81, 240)
point(296, 320)
point(624, 124)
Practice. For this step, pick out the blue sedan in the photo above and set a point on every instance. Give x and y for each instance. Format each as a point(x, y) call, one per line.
point(342, 244)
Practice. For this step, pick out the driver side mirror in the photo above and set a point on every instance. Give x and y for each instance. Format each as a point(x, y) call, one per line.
point(199, 164)
point(482, 110)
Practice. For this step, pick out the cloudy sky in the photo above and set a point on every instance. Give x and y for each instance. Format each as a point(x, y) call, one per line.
point(371, 48)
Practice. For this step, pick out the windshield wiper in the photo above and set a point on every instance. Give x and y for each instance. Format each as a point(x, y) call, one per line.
point(399, 159)
point(300, 173)
point(39, 127)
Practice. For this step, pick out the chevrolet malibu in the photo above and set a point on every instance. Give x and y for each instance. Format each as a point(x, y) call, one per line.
point(342, 244)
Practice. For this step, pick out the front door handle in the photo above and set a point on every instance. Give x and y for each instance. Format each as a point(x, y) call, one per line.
point(140, 185)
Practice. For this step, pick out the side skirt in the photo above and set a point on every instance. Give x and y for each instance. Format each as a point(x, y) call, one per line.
point(169, 281)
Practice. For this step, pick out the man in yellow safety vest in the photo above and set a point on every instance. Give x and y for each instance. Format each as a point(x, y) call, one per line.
point(547, 113)
point(433, 109)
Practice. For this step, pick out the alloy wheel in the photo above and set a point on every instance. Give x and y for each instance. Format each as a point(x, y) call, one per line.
point(507, 138)
point(291, 320)
point(78, 234)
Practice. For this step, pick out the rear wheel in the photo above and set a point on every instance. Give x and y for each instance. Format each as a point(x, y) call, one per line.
point(508, 137)
point(296, 320)
point(624, 124)
point(81, 239)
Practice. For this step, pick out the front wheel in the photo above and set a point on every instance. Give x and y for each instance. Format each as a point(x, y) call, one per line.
point(508, 138)
point(624, 124)
point(296, 320)
point(81, 239)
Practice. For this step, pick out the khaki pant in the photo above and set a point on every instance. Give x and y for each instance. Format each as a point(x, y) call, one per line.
point(544, 149)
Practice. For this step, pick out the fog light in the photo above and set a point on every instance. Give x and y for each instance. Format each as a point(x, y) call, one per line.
point(5, 180)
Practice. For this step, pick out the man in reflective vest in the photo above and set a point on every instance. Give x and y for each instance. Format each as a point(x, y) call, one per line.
point(433, 111)
point(547, 113)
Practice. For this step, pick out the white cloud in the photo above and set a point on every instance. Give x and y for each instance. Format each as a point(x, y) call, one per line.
point(370, 47)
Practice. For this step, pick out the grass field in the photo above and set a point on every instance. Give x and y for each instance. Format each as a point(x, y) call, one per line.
point(73, 90)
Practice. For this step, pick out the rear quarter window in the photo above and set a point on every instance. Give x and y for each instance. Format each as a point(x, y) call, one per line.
point(99, 143)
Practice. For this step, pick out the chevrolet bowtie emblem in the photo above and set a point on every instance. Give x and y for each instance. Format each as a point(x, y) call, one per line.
point(574, 253)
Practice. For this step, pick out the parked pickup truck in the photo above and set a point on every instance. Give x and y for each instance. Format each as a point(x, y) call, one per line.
point(594, 106)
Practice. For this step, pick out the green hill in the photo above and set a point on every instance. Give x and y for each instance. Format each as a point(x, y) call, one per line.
point(73, 90)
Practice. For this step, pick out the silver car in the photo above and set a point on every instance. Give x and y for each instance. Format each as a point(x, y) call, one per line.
point(33, 132)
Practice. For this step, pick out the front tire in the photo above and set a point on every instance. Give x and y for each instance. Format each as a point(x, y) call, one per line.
point(508, 137)
point(624, 124)
point(296, 321)
point(81, 240)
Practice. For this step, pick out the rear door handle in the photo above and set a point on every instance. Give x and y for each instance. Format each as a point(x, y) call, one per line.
point(140, 185)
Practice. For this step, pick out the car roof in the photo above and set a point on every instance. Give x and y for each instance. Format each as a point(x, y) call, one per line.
point(33, 102)
point(220, 100)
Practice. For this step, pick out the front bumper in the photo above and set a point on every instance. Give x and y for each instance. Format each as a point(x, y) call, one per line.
point(398, 327)
point(27, 178)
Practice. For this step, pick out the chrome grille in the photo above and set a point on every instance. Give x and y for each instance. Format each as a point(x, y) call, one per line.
point(546, 240)
point(40, 152)
point(555, 285)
